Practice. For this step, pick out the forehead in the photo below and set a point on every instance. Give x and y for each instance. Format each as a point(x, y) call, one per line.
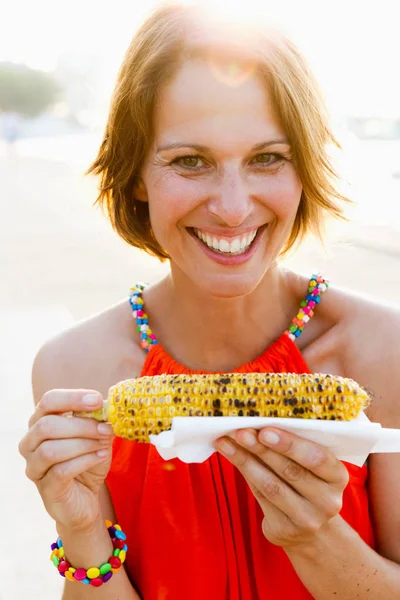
point(208, 93)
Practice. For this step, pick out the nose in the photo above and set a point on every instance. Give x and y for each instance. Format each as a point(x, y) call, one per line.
point(231, 201)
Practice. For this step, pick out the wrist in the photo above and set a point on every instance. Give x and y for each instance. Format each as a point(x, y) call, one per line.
point(83, 530)
point(86, 547)
point(317, 545)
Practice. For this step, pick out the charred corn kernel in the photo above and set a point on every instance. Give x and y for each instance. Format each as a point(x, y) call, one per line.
point(139, 407)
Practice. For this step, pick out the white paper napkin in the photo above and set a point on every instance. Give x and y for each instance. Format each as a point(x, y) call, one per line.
point(191, 439)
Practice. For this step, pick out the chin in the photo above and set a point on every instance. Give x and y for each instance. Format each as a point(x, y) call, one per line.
point(230, 286)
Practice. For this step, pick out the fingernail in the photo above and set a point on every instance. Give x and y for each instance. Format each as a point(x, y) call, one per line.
point(104, 429)
point(91, 400)
point(226, 447)
point(102, 453)
point(248, 439)
point(270, 437)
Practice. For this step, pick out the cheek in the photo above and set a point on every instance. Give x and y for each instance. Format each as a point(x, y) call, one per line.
point(283, 193)
point(172, 197)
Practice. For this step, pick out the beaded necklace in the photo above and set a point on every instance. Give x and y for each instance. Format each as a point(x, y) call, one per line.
point(148, 338)
point(316, 287)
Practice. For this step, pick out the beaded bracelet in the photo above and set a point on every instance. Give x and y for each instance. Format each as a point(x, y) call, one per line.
point(95, 576)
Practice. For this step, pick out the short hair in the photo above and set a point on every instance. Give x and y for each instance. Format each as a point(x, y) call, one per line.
point(161, 45)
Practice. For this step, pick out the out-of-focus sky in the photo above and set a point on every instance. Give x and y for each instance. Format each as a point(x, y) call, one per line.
point(353, 45)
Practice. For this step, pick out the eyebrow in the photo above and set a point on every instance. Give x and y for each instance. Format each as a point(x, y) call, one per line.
point(201, 148)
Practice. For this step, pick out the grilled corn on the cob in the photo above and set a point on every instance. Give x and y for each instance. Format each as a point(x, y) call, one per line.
point(139, 407)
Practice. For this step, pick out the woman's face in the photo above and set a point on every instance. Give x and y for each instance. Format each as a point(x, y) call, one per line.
point(222, 190)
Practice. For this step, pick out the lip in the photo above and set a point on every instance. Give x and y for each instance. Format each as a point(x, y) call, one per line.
point(226, 260)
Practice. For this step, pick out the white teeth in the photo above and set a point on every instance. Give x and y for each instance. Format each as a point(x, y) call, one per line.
point(237, 245)
point(224, 246)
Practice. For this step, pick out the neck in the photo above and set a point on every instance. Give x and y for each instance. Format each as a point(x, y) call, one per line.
point(205, 332)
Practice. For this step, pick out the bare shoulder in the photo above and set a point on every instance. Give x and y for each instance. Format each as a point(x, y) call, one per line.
point(94, 353)
point(370, 333)
point(357, 336)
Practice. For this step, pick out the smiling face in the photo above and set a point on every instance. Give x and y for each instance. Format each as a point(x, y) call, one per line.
point(222, 190)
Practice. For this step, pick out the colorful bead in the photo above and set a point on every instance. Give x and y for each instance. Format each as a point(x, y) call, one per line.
point(122, 556)
point(63, 566)
point(96, 582)
point(80, 574)
point(107, 577)
point(316, 287)
point(69, 575)
point(120, 535)
point(105, 568)
point(93, 572)
point(55, 561)
point(114, 562)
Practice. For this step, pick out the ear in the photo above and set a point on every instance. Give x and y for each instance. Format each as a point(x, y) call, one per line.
point(140, 191)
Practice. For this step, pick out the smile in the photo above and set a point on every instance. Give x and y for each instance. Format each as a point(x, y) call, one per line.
point(231, 246)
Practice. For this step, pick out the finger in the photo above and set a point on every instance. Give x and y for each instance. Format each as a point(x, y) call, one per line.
point(55, 483)
point(266, 485)
point(324, 496)
point(314, 458)
point(64, 401)
point(53, 452)
point(61, 427)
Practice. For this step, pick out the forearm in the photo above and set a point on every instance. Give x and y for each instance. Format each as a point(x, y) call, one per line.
point(92, 549)
point(341, 565)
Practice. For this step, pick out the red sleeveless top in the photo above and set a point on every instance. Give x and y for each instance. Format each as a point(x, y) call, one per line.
point(194, 530)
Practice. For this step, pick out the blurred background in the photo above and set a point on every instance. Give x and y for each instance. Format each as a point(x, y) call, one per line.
point(59, 259)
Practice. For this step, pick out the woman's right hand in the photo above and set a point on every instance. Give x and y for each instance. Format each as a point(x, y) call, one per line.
point(68, 457)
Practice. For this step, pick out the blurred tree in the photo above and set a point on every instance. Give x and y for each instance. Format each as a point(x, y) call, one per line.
point(26, 91)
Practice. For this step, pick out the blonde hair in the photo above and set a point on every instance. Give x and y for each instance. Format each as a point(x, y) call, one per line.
point(161, 45)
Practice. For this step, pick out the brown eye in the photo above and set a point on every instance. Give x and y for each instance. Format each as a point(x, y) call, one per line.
point(265, 158)
point(189, 162)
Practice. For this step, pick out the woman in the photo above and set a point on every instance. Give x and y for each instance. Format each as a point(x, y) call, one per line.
point(215, 158)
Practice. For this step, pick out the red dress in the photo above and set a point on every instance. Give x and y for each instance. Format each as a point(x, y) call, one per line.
point(194, 530)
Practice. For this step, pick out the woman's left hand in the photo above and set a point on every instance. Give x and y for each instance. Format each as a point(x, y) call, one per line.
point(298, 484)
